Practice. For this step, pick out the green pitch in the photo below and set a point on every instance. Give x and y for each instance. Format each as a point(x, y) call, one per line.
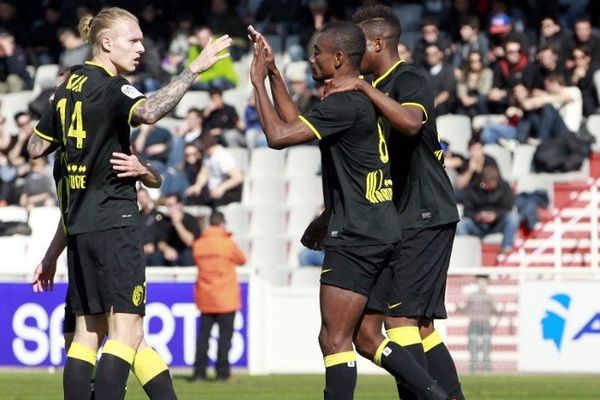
point(40, 386)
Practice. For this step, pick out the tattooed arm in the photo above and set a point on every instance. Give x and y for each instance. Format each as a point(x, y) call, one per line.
point(164, 100)
point(38, 147)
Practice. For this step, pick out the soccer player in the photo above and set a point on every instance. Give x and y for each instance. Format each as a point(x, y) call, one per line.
point(359, 227)
point(90, 121)
point(157, 384)
point(411, 293)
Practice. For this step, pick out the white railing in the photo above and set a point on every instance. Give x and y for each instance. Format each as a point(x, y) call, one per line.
point(560, 227)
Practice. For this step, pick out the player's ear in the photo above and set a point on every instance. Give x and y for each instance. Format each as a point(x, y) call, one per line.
point(338, 59)
point(106, 43)
point(378, 44)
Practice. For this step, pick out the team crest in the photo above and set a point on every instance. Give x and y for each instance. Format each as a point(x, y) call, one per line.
point(139, 295)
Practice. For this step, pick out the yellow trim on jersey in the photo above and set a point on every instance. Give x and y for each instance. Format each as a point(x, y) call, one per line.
point(389, 71)
point(421, 107)
point(339, 358)
point(312, 128)
point(147, 365)
point(80, 352)
point(379, 352)
point(120, 350)
point(133, 108)
point(45, 137)
point(404, 335)
point(99, 66)
point(431, 341)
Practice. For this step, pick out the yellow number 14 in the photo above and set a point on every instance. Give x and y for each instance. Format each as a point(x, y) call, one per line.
point(76, 126)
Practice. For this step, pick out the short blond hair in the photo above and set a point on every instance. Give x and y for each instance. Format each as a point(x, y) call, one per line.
point(90, 27)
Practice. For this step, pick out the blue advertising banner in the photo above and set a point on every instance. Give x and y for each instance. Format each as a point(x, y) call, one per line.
point(31, 325)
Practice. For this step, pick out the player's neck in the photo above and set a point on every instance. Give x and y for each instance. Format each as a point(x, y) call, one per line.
point(386, 62)
point(105, 61)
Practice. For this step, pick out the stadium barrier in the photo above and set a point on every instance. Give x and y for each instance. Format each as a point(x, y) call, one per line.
point(536, 320)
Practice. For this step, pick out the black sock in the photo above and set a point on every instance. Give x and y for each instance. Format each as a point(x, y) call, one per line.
point(78, 371)
point(409, 338)
point(113, 371)
point(153, 374)
point(397, 361)
point(160, 387)
point(441, 366)
point(340, 376)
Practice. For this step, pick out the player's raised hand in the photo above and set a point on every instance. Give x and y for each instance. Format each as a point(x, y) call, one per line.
point(258, 68)
point(255, 37)
point(342, 84)
point(213, 52)
point(43, 276)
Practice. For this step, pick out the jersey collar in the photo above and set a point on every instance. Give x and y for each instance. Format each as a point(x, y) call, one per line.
point(385, 75)
point(99, 66)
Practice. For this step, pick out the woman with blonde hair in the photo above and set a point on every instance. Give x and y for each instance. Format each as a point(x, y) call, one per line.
point(90, 122)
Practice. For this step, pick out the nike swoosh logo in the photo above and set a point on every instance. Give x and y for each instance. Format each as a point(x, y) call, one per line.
point(392, 306)
point(326, 271)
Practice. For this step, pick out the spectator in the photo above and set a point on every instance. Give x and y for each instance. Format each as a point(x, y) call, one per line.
point(217, 293)
point(38, 189)
point(279, 17)
point(152, 142)
point(489, 202)
point(474, 86)
point(222, 75)
point(224, 178)
point(74, 50)
point(582, 75)
point(13, 62)
point(567, 100)
point(552, 35)
point(17, 149)
point(174, 62)
point(153, 26)
point(585, 35)
point(300, 92)
point(255, 137)
point(547, 63)
point(501, 29)
point(225, 20)
point(11, 21)
point(222, 120)
point(314, 21)
point(188, 132)
point(404, 53)
point(471, 40)
point(8, 173)
point(470, 169)
point(480, 308)
point(508, 72)
point(150, 219)
point(430, 35)
point(195, 175)
point(44, 46)
point(440, 78)
point(149, 76)
point(177, 233)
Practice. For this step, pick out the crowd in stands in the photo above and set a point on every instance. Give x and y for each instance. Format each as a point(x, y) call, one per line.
point(534, 65)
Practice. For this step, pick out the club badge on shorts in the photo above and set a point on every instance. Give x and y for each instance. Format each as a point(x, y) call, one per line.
point(139, 295)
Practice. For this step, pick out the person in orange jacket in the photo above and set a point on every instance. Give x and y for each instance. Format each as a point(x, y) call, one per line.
point(217, 293)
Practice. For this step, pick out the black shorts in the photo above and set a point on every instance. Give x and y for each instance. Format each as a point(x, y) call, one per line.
point(414, 285)
point(107, 271)
point(355, 268)
point(69, 320)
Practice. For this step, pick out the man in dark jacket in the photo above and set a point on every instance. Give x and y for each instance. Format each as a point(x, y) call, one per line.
point(489, 202)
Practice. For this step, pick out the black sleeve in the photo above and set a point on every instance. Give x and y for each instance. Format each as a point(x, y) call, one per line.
point(45, 127)
point(122, 98)
point(332, 115)
point(410, 88)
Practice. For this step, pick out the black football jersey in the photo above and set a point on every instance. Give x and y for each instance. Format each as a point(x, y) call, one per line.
point(90, 119)
point(357, 185)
